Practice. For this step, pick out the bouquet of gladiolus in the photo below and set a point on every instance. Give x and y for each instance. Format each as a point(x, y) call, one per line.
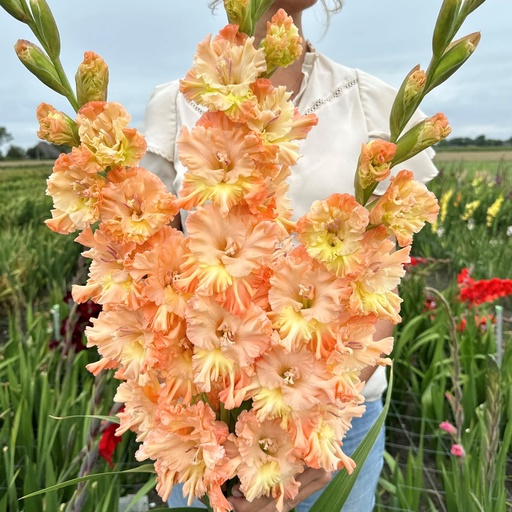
point(238, 344)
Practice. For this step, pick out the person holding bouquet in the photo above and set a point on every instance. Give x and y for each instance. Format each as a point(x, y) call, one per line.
point(352, 108)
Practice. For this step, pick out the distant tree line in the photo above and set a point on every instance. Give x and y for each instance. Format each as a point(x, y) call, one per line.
point(44, 151)
point(41, 151)
point(468, 142)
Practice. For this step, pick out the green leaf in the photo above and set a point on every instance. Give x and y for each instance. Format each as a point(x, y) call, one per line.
point(337, 492)
point(146, 468)
point(150, 484)
point(112, 419)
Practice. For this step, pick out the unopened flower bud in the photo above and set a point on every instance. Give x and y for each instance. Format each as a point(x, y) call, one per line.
point(91, 79)
point(443, 31)
point(414, 85)
point(423, 135)
point(33, 58)
point(455, 55)
point(15, 9)
point(46, 26)
point(448, 427)
point(434, 130)
point(282, 44)
point(373, 166)
point(457, 450)
point(239, 13)
point(56, 127)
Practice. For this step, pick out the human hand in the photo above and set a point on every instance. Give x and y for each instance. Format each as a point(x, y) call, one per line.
point(311, 480)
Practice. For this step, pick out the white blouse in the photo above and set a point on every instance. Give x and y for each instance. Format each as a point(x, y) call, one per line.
point(352, 108)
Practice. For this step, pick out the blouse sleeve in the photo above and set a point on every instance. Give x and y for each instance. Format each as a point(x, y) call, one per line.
point(377, 99)
point(159, 129)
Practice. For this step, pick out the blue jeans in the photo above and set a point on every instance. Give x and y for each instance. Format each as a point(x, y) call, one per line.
point(362, 496)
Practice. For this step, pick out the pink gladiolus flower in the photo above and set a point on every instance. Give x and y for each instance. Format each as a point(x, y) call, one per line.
point(448, 427)
point(319, 434)
point(140, 403)
point(224, 342)
point(160, 267)
point(103, 129)
point(405, 207)
point(457, 450)
point(289, 382)
point(123, 340)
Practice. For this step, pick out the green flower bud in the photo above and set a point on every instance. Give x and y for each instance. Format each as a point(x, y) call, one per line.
point(46, 27)
point(16, 10)
point(91, 79)
point(423, 135)
point(407, 100)
point(239, 13)
point(444, 29)
point(33, 58)
point(456, 54)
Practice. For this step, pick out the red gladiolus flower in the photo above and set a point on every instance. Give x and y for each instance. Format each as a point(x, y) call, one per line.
point(108, 443)
point(483, 291)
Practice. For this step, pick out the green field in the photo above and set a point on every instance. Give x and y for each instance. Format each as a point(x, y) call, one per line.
point(431, 359)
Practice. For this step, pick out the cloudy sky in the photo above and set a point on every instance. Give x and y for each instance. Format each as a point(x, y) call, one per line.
point(147, 42)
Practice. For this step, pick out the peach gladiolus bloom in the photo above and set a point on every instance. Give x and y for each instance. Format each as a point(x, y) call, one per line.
point(102, 127)
point(405, 207)
point(109, 280)
point(226, 247)
point(303, 294)
point(221, 158)
point(122, 337)
point(373, 286)
point(224, 343)
point(332, 232)
point(136, 204)
point(278, 122)
point(269, 463)
point(76, 195)
point(224, 69)
point(56, 127)
point(356, 347)
point(139, 407)
point(375, 161)
point(187, 444)
point(288, 382)
point(319, 435)
point(160, 267)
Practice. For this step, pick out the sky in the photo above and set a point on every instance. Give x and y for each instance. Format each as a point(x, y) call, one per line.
point(149, 42)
